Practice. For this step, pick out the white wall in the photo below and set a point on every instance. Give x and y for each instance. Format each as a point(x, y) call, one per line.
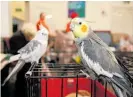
point(6, 27)
point(60, 12)
point(122, 18)
point(57, 9)
point(94, 13)
point(94, 9)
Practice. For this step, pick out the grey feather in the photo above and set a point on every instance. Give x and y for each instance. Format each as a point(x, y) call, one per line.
point(30, 47)
point(18, 67)
point(96, 50)
point(31, 52)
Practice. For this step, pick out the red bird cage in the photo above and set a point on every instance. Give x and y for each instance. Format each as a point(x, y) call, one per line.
point(67, 80)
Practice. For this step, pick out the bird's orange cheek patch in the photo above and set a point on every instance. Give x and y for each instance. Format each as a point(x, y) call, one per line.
point(84, 28)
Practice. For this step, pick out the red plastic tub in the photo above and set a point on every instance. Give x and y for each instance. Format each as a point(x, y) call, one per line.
point(63, 87)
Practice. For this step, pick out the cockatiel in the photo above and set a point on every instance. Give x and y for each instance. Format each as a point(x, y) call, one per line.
point(31, 52)
point(98, 59)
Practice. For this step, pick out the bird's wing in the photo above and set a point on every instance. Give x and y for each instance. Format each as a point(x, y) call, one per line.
point(97, 51)
point(93, 36)
point(30, 47)
point(110, 53)
point(98, 56)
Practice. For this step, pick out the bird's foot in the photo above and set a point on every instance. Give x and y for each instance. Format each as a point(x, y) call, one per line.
point(29, 73)
point(87, 76)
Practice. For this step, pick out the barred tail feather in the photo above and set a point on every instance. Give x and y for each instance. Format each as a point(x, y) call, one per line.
point(16, 69)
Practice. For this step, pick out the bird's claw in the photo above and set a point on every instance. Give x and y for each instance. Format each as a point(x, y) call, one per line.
point(28, 74)
point(87, 76)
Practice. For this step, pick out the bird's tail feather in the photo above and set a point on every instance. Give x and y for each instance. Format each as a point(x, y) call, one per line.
point(16, 69)
point(122, 84)
point(117, 91)
point(123, 62)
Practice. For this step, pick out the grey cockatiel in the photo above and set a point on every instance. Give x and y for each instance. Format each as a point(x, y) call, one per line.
point(31, 52)
point(98, 59)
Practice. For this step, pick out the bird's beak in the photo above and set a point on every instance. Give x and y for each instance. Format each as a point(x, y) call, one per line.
point(72, 27)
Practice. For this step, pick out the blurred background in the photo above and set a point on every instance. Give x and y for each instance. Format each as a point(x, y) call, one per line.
point(111, 21)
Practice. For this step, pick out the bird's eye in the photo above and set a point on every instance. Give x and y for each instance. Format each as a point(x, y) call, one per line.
point(80, 23)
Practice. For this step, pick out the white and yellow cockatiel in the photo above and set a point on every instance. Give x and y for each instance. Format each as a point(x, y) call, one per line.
point(31, 52)
point(98, 59)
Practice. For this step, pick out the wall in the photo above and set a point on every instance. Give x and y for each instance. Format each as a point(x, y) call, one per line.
point(59, 12)
point(94, 13)
point(56, 8)
point(108, 21)
point(122, 18)
point(6, 23)
point(18, 14)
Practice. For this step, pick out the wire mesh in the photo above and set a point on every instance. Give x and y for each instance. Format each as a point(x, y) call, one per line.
point(67, 80)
